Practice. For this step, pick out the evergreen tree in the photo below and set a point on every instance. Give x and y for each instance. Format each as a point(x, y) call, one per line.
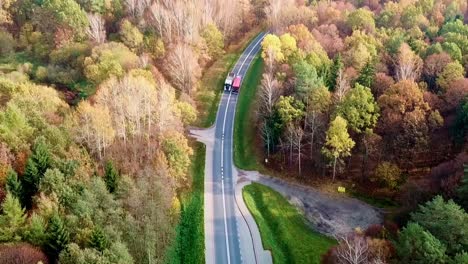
point(36, 166)
point(366, 75)
point(35, 233)
point(462, 191)
point(30, 182)
point(99, 240)
point(417, 246)
point(41, 156)
point(13, 184)
point(111, 177)
point(13, 219)
point(57, 236)
point(336, 66)
point(447, 221)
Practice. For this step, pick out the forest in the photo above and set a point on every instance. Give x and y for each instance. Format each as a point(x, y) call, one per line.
point(96, 96)
point(374, 95)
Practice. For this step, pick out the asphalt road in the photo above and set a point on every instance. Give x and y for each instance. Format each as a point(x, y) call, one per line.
point(226, 232)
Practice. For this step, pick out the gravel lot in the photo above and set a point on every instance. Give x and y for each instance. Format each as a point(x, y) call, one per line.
point(329, 214)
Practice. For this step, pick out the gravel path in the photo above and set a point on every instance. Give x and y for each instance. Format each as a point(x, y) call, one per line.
point(331, 215)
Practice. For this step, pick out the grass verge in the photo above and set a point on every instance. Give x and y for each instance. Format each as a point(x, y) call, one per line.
point(189, 244)
point(283, 228)
point(244, 132)
point(209, 93)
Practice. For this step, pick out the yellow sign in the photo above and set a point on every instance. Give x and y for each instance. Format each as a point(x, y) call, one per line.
point(341, 189)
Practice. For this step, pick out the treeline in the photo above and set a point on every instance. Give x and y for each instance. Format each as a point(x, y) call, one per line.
point(95, 100)
point(374, 93)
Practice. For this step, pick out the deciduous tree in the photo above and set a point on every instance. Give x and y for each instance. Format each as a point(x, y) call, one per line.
point(359, 109)
point(338, 144)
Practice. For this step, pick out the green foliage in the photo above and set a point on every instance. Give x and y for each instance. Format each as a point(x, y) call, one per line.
point(361, 19)
point(452, 72)
point(338, 143)
point(289, 110)
point(460, 258)
point(334, 72)
point(460, 127)
point(462, 190)
point(117, 253)
point(35, 232)
point(453, 50)
point(189, 244)
point(109, 59)
point(58, 236)
point(178, 154)
point(98, 240)
point(447, 221)
point(359, 109)
point(417, 246)
point(307, 78)
point(13, 185)
point(388, 174)
point(15, 130)
point(12, 219)
point(130, 35)
point(366, 75)
point(36, 167)
point(111, 177)
point(214, 40)
point(68, 13)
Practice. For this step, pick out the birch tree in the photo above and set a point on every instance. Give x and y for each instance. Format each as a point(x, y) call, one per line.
point(269, 94)
point(183, 68)
point(96, 30)
point(409, 65)
point(342, 86)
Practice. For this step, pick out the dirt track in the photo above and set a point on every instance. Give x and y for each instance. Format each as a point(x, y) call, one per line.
point(331, 215)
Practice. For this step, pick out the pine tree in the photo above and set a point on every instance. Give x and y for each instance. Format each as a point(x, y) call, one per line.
point(57, 236)
point(30, 182)
point(13, 185)
point(41, 156)
point(462, 191)
point(13, 219)
point(366, 75)
point(334, 71)
point(99, 240)
point(111, 177)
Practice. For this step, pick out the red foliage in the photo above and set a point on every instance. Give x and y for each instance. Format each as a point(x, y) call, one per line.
point(375, 231)
point(21, 254)
point(446, 176)
point(329, 37)
point(381, 83)
point(457, 91)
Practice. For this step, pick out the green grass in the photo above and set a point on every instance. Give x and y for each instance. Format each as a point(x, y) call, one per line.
point(283, 228)
point(244, 130)
point(209, 93)
point(189, 244)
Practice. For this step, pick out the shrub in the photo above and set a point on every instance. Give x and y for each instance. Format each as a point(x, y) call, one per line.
point(7, 43)
point(387, 174)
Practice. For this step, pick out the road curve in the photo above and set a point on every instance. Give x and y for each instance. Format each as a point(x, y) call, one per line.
point(226, 217)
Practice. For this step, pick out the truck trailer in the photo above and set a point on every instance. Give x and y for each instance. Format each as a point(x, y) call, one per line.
point(236, 84)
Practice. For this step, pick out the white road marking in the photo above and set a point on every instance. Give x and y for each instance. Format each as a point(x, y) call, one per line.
point(222, 158)
point(222, 182)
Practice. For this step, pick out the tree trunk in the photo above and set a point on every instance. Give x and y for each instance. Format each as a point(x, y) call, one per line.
point(334, 169)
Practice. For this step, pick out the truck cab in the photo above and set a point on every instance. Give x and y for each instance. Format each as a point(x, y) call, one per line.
point(236, 84)
point(228, 82)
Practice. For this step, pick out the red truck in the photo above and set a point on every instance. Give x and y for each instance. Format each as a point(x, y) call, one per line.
point(236, 84)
